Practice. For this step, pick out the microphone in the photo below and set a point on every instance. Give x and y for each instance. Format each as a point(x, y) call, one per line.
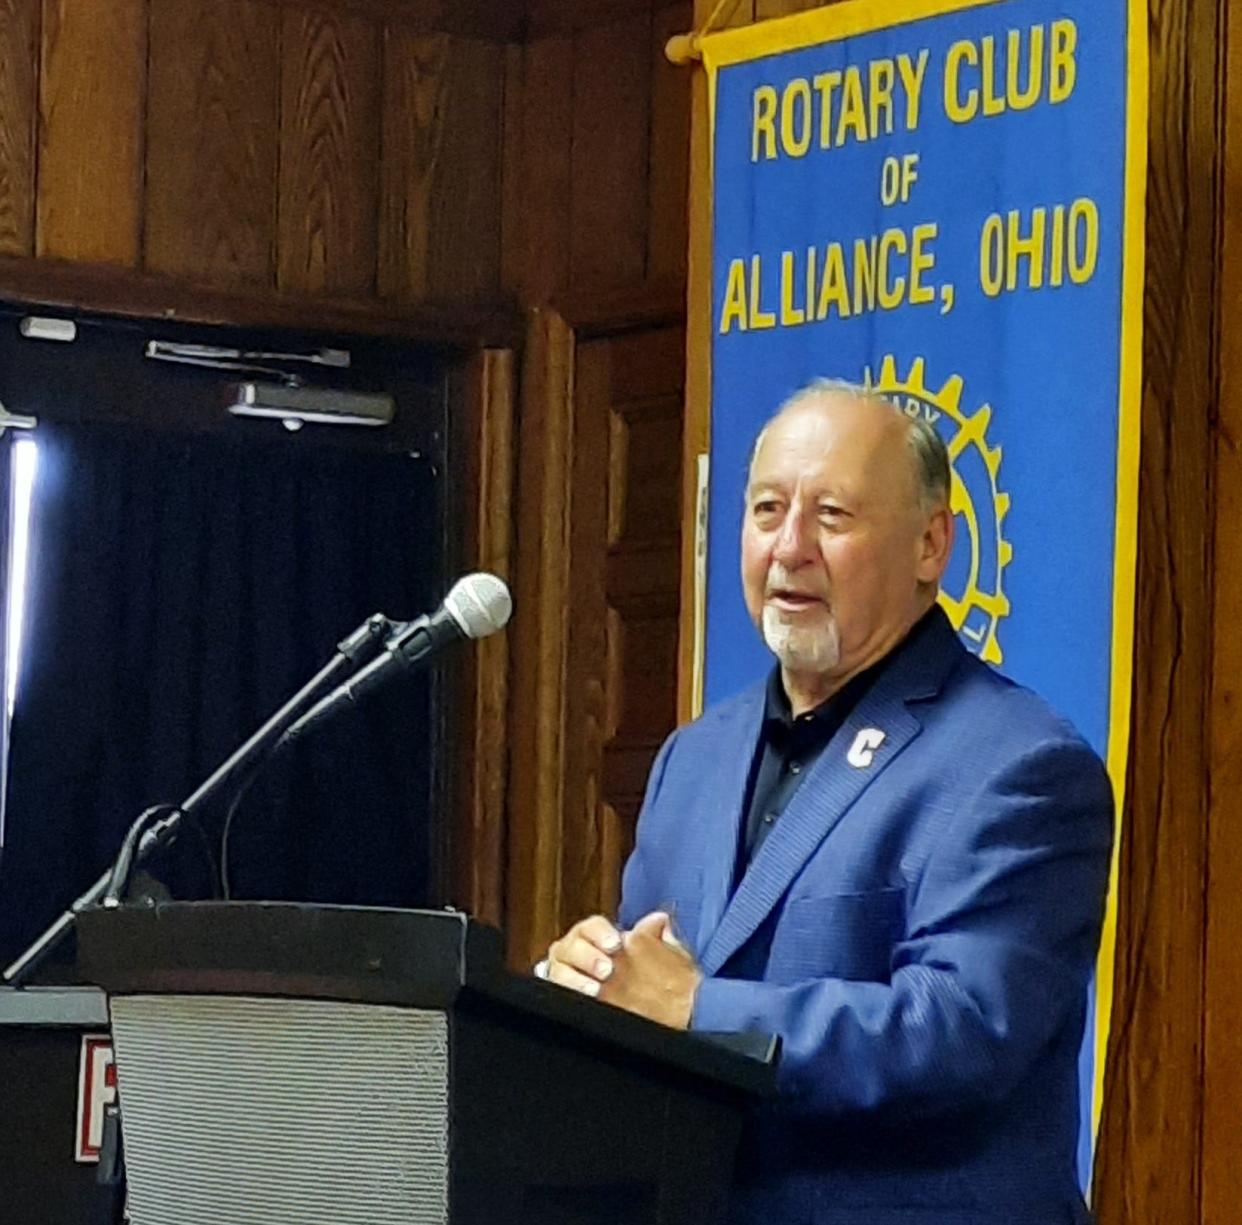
point(478, 605)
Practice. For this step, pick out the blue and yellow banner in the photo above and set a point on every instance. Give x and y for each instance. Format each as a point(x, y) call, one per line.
point(943, 199)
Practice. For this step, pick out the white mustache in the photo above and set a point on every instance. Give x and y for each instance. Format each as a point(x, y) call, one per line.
point(779, 579)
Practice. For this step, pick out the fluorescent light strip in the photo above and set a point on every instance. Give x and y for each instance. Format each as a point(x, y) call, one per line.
point(25, 463)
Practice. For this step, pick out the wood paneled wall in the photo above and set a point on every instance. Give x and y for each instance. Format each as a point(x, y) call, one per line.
point(596, 153)
point(344, 153)
point(383, 152)
point(1168, 1143)
point(19, 43)
point(1221, 1187)
point(1152, 1160)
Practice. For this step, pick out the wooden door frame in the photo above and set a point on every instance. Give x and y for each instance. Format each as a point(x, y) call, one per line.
point(480, 481)
point(109, 290)
point(533, 905)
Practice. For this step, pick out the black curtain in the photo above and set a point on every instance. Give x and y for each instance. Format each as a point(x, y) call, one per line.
point(181, 587)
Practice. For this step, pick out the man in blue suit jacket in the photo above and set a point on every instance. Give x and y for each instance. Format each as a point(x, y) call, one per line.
point(887, 854)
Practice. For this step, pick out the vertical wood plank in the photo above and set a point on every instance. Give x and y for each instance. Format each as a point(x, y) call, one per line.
point(608, 224)
point(534, 894)
point(413, 105)
point(1148, 1163)
point(92, 89)
point(669, 174)
point(440, 187)
point(585, 714)
point(1222, 1036)
point(212, 139)
point(19, 32)
point(547, 141)
point(487, 514)
point(329, 153)
point(466, 229)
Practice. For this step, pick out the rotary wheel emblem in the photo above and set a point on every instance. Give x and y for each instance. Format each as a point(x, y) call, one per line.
point(971, 593)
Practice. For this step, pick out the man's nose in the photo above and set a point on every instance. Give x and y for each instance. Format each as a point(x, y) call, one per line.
point(794, 541)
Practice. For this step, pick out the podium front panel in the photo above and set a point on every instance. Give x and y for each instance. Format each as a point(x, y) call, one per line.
point(55, 1065)
point(276, 1111)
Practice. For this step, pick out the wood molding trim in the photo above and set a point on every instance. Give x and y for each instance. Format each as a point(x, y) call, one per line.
point(122, 291)
point(540, 638)
point(593, 312)
point(487, 491)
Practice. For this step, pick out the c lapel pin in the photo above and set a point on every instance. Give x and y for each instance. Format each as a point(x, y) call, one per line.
point(862, 751)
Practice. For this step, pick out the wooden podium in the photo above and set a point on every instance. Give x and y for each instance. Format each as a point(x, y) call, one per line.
point(296, 1065)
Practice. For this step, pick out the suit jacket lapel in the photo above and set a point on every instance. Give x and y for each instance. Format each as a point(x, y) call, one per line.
point(831, 788)
point(735, 741)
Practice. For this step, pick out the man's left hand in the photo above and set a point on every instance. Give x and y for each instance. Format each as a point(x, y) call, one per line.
point(654, 976)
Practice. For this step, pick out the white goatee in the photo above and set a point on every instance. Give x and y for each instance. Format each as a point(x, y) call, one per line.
point(802, 648)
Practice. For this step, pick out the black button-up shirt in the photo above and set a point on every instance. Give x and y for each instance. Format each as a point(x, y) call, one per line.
point(788, 747)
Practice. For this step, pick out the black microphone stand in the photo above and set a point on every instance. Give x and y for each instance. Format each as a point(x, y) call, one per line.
point(157, 826)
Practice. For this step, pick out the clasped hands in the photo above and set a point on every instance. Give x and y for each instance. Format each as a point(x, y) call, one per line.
point(646, 970)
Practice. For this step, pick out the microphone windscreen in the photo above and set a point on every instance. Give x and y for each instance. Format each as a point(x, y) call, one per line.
point(480, 604)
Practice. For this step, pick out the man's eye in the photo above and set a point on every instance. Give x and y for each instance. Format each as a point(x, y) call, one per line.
point(768, 507)
point(833, 514)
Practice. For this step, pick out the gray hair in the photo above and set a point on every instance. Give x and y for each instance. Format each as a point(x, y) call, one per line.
point(927, 449)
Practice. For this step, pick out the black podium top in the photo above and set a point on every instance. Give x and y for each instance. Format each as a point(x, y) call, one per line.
point(416, 958)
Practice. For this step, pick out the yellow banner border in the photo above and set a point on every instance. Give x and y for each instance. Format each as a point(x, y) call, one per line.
point(1125, 541)
point(799, 31)
point(831, 23)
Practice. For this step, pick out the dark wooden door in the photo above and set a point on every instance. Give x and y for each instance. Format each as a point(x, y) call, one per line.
point(596, 619)
point(621, 695)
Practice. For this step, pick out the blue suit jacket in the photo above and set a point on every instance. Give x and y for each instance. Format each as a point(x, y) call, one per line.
point(919, 928)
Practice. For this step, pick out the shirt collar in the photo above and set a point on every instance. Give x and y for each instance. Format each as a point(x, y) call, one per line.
point(777, 710)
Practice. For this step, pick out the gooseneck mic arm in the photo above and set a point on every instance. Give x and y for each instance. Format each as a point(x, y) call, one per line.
point(478, 605)
point(158, 826)
point(408, 646)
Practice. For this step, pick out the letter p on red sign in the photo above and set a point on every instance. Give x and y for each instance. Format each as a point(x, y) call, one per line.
point(96, 1092)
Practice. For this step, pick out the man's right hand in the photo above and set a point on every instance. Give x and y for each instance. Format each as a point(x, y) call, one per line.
point(582, 958)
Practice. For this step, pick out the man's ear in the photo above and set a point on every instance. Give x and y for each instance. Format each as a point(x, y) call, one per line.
point(935, 546)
